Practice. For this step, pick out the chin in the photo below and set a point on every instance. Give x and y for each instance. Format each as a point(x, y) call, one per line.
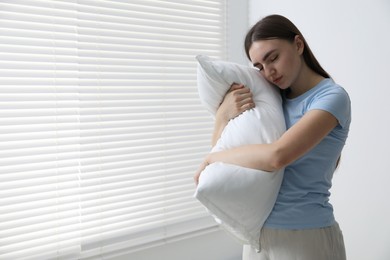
point(282, 86)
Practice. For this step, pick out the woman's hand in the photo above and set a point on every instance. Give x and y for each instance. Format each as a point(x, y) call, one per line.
point(202, 166)
point(236, 101)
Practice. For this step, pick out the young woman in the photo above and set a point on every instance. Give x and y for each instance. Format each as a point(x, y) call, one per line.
point(317, 115)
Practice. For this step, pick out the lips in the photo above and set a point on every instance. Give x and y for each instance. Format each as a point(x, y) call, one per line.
point(277, 80)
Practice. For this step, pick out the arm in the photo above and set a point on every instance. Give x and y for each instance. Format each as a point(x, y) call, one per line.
point(237, 100)
point(294, 143)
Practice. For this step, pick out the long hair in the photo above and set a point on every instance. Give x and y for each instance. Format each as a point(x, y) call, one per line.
point(279, 27)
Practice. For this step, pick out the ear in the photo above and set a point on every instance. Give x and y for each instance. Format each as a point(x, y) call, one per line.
point(300, 45)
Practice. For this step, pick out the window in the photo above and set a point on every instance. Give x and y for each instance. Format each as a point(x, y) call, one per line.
point(101, 129)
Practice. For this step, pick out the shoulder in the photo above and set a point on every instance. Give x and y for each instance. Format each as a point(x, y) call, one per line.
point(329, 87)
point(334, 99)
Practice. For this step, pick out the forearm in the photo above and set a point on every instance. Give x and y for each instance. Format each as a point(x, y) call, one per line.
point(219, 125)
point(263, 157)
point(256, 156)
point(295, 142)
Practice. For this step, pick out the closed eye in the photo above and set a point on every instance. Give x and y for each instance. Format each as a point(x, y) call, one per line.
point(274, 58)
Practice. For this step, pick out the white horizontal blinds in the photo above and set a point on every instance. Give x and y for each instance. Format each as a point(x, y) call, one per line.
point(143, 131)
point(100, 124)
point(39, 131)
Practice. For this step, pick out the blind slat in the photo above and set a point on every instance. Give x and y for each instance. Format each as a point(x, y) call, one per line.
point(101, 127)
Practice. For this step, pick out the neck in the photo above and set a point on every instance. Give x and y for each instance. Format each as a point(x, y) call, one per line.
point(307, 80)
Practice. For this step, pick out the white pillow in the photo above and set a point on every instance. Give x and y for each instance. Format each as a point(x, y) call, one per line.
point(240, 199)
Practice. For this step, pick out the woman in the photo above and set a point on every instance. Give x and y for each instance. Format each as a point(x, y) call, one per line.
point(317, 115)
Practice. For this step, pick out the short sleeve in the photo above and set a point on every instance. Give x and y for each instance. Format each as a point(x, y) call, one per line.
point(336, 101)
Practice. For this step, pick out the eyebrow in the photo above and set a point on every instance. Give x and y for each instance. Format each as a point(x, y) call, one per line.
point(265, 57)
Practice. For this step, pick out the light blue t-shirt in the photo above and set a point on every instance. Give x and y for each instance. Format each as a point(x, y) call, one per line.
point(303, 199)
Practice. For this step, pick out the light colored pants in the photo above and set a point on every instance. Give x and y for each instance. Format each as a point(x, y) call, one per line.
point(303, 244)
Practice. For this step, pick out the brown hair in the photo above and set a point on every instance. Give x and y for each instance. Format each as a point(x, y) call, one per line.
point(279, 27)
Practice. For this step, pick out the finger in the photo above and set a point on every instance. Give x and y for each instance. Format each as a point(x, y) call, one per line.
point(246, 96)
point(243, 96)
point(249, 106)
point(245, 91)
point(245, 107)
point(236, 86)
point(246, 103)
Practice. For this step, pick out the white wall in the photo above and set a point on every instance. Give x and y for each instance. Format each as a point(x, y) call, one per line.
point(237, 25)
point(351, 39)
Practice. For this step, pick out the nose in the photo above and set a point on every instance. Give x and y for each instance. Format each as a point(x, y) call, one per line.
point(269, 71)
